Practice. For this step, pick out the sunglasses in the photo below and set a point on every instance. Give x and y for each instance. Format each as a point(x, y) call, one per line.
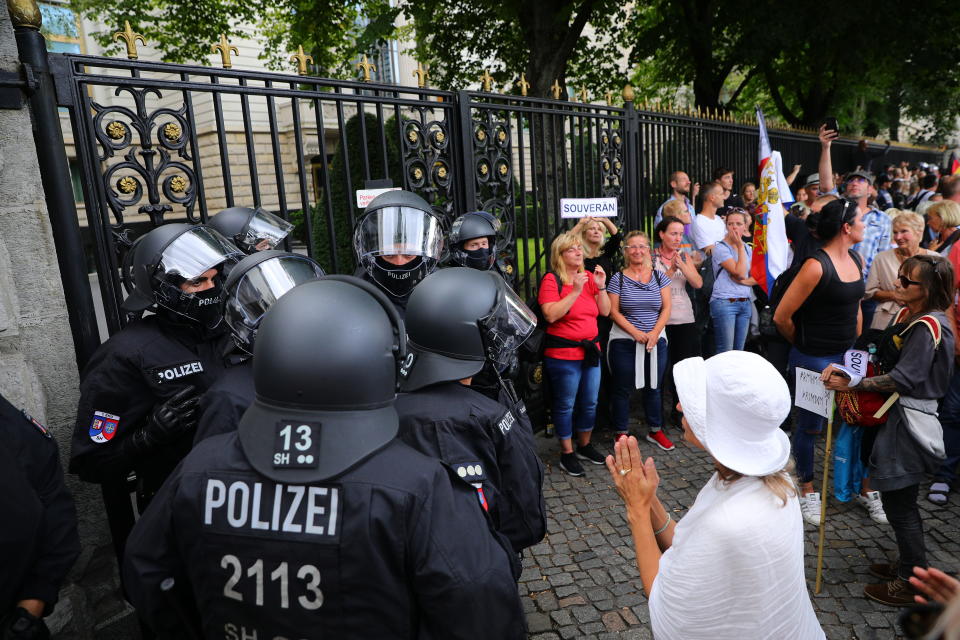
point(906, 282)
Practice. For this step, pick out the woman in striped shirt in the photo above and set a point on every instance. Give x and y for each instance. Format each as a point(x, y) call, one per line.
point(640, 309)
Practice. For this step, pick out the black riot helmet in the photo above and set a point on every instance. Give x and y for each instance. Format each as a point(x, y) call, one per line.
point(469, 226)
point(172, 255)
point(398, 241)
point(458, 318)
point(325, 369)
point(256, 283)
point(251, 230)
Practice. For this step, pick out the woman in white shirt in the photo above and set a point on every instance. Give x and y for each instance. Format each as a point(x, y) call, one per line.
point(732, 568)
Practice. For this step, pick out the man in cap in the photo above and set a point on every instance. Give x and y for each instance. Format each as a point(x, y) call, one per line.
point(139, 392)
point(313, 520)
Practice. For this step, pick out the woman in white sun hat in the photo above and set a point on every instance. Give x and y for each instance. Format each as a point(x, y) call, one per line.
point(732, 568)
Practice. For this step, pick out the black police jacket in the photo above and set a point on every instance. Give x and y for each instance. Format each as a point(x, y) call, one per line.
point(389, 549)
point(487, 447)
point(146, 363)
point(39, 530)
point(225, 402)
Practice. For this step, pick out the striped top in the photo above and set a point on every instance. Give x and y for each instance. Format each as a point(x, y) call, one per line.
point(640, 302)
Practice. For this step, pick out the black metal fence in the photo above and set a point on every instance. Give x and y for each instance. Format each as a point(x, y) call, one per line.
point(158, 142)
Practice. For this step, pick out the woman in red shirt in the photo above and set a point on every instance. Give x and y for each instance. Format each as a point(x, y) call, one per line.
point(572, 354)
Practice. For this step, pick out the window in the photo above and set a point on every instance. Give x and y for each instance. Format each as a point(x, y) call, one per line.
point(61, 29)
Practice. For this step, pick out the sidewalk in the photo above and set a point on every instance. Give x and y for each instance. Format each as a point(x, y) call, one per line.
point(581, 581)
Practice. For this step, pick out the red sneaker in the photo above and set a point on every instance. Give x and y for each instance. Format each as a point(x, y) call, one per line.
point(661, 440)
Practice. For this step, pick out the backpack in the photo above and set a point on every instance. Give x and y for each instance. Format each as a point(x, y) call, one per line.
point(532, 384)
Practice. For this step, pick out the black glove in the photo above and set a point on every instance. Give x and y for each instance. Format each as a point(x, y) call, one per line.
point(168, 421)
point(20, 624)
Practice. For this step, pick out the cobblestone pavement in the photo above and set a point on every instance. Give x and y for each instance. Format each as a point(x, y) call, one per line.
point(581, 581)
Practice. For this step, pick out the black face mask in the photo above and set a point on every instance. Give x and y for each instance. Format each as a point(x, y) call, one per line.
point(481, 258)
point(399, 280)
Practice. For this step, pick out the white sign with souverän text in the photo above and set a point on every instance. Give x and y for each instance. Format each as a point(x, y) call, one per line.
point(366, 196)
point(811, 394)
point(592, 207)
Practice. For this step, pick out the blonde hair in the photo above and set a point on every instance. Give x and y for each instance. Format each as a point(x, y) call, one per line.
point(648, 261)
point(587, 250)
point(675, 208)
point(780, 483)
point(560, 244)
point(948, 210)
point(909, 219)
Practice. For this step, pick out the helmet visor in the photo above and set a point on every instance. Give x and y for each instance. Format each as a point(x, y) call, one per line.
point(261, 286)
point(400, 231)
point(265, 230)
point(510, 324)
point(193, 253)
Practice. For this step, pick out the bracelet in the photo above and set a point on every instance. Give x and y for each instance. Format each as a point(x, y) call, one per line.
point(601, 288)
point(664, 527)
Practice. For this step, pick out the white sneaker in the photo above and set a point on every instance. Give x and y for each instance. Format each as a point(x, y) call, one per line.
point(810, 508)
point(874, 506)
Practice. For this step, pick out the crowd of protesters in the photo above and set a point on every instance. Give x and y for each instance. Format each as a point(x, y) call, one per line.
point(874, 255)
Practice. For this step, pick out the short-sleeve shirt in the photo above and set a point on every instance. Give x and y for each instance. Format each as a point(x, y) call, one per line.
point(724, 286)
point(707, 231)
point(640, 302)
point(681, 307)
point(579, 323)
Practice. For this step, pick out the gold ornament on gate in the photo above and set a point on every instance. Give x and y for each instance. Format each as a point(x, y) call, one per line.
point(301, 59)
point(417, 173)
point(501, 135)
point(484, 169)
point(171, 131)
point(421, 75)
point(439, 137)
point(481, 135)
point(225, 48)
point(441, 172)
point(555, 88)
point(130, 37)
point(25, 13)
point(116, 130)
point(503, 169)
point(524, 85)
point(127, 185)
point(486, 81)
point(367, 67)
point(412, 136)
point(178, 184)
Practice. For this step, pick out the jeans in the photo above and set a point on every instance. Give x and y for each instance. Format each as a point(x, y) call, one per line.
point(950, 421)
point(904, 516)
point(574, 386)
point(808, 424)
point(731, 320)
point(622, 356)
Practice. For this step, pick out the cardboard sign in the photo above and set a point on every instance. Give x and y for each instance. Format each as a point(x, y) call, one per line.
point(592, 207)
point(811, 394)
point(366, 196)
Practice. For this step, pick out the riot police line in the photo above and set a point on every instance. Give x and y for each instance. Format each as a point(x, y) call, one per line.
point(264, 478)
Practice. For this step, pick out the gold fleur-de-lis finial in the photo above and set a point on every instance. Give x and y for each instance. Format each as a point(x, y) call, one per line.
point(130, 37)
point(555, 88)
point(301, 59)
point(421, 75)
point(628, 93)
point(225, 48)
point(486, 81)
point(524, 85)
point(608, 96)
point(584, 97)
point(367, 67)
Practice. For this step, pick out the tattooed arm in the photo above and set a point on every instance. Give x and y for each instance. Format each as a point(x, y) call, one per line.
point(881, 384)
point(836, 381)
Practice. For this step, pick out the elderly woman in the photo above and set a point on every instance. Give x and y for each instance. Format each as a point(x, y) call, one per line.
point(732, 568)
point(909, 445)
point(640, 304)
point(907, 233)
point(571, 299)
point(944, 220)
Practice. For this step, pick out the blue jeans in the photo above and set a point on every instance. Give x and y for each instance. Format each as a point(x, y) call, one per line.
point(622, 358)
point(574, 386)
point(950, 421)
point(731, 320)
point(808, 424)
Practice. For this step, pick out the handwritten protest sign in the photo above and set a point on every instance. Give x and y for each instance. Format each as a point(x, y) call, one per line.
point(811, 394)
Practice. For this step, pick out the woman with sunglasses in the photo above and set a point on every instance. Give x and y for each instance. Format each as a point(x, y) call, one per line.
point(820, 316)
point(909, 445)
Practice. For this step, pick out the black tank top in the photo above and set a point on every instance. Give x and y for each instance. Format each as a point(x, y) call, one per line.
point(827, 320)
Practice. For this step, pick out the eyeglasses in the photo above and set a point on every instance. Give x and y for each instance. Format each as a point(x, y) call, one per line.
point(906, 282)
point(636, 247)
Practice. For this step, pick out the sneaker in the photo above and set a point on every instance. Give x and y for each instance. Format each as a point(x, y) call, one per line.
point(896, 593)
point(873, 505)
point(570, 464)
point(660, 439)
point(938, 493)
point(588, 453)
point(810, 508)
point(885, 571)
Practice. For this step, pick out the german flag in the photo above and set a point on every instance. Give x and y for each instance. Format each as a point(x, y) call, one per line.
point(954, 164)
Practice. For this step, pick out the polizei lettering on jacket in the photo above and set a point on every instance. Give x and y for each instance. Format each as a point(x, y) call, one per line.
point(177, 371)
point(594, 207)
point(506, 422)
point(249, 506)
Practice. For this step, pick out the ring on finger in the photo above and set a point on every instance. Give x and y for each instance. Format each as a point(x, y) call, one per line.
point(624, 472)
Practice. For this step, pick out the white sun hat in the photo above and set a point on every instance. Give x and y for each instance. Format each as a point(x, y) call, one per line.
point(737, 402)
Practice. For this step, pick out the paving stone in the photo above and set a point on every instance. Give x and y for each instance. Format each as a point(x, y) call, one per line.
point(613, 622)
point(585, 613)
point(537, 622)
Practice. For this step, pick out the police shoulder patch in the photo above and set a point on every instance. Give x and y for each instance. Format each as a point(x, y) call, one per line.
point(506, 422)
point(103, 426)
point(36, 423)
point(173, 372)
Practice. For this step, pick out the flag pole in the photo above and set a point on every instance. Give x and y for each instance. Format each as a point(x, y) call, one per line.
point(824, 493)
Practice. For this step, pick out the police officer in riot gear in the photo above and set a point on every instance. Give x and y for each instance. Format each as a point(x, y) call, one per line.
point(457, 319)
point(312, 519)
point(473, 240)
point(252, 287)
point(39, 531)
point(251, 230)
point(398, 242)
point(139, 392)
